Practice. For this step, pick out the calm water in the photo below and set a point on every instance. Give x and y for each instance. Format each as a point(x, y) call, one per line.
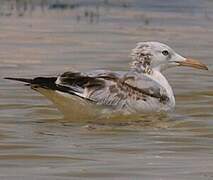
point(47, 38)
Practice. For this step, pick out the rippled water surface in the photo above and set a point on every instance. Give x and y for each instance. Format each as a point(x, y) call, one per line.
point(49, 37)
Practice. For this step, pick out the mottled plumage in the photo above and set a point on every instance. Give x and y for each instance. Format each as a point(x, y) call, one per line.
point(116, 89)
point(141, 89)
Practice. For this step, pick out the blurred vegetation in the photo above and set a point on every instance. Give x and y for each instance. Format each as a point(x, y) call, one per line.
point(22, 7)
point(87, 10)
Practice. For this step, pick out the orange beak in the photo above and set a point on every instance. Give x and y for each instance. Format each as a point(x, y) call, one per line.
point(193, 63)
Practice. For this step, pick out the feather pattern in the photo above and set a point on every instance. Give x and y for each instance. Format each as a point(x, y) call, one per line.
point(129, 91)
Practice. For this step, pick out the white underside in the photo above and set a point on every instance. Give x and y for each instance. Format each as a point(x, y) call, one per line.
point(159, 78)
point(72, 107)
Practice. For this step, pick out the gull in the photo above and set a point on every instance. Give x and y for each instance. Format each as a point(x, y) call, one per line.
point(141, 89)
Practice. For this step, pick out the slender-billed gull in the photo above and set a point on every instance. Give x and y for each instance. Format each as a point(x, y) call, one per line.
point(143, 88)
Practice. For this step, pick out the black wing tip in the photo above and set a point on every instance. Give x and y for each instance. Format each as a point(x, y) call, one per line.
point(19, 79)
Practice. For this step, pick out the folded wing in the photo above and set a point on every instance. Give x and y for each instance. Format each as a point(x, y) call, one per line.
point(112, 88)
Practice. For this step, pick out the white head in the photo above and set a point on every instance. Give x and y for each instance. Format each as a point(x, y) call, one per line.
point(155, 55)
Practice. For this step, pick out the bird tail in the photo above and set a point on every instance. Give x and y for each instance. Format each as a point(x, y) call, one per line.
point(44, 82)
point(20, 79)
point(65, 98)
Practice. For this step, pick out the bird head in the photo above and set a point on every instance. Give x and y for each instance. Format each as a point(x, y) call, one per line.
point(155, 55)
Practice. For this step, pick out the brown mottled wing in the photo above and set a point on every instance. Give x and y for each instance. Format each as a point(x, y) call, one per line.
point(111, 88)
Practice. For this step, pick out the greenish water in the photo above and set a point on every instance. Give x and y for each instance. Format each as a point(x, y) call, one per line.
point(47, 38)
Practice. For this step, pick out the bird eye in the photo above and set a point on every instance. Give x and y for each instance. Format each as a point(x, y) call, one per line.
point(165, 53)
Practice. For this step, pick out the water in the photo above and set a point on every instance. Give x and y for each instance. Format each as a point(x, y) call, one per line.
point(49, 37)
